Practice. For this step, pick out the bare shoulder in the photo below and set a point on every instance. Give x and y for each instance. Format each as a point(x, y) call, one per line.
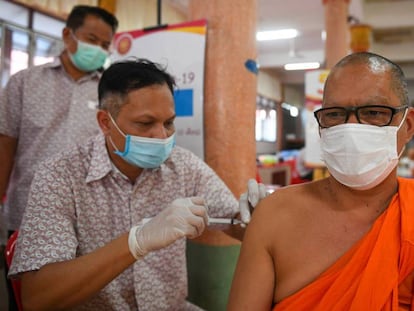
point(291, 216)
point(295, 193)
point(264, 268)
point(288, 205)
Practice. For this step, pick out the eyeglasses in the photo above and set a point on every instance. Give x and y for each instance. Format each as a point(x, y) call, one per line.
point(374, 115)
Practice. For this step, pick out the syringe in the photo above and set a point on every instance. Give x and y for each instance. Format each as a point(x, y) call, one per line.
point(211, 220)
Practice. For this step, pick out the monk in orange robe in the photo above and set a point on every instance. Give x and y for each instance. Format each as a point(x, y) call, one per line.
point(345, 242)
point(376, 272)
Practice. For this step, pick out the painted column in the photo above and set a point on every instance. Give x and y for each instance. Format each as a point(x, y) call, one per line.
point(230, 89)
point(336, 45)
point(337, 31)
point(229, 136)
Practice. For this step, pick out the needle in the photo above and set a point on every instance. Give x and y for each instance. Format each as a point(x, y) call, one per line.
point(211, 220)
point(230, 221)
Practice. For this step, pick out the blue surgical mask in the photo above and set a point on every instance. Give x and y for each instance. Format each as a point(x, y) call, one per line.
point(144, 152)
point(88, 57)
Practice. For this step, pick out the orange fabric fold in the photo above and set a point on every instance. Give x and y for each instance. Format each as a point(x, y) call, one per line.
point(376, 273)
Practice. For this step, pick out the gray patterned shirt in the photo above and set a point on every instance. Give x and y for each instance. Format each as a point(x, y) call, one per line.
point(78, 203)
point(46, 110)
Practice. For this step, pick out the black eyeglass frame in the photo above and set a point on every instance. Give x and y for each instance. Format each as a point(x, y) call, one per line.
point(354, 110)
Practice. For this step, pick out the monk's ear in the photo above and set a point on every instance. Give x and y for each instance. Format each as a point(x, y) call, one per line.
point(409, 124)
point(104, 121)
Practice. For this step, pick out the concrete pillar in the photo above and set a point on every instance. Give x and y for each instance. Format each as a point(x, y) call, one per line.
point(230, 89)
point(229, 133)
point(336, 45)
point(337, 31)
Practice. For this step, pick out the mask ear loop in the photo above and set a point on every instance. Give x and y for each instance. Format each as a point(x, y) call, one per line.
point(403, 119)
point(74, 38)
point(398, 128)
point(116, 125)
point(119, 130)
point(73, 34)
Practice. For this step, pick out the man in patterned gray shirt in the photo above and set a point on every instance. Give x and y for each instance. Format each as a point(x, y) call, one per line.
point(45, 108)
point(106, 221)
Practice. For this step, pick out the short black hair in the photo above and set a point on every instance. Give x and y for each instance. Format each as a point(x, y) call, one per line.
point(80, 12)
point(127, 75)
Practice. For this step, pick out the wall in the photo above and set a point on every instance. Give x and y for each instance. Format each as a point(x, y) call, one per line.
point(268, 85)
point(138, 14)
point(410, 84)
point(264, 147)
point(294, 94)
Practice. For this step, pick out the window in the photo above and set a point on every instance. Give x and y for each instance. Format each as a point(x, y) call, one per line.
point(25, 44)
point(266, 119)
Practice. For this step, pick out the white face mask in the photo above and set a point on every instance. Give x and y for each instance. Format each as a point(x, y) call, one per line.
point(360, 156)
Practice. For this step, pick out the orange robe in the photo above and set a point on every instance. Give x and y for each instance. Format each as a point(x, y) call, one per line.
point(376, 273)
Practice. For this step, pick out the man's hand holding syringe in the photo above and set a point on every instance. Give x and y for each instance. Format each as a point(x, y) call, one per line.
point(186, 217)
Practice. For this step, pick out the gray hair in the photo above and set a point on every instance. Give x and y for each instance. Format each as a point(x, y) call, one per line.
point(378, 63)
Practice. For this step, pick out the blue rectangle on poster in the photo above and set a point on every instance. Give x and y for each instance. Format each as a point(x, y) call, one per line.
point(183, 102)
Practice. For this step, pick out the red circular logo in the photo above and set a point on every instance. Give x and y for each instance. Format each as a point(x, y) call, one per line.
point(124, 44)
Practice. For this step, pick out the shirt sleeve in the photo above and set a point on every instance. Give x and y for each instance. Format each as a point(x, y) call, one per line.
point(221, 202)
point(47, 233)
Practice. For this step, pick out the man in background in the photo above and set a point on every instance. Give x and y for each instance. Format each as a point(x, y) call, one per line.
point(44, 109)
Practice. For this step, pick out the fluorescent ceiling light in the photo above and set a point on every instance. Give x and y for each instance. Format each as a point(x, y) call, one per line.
point(276, 34)
point(286, 106)
point(294, 111)
point(302, 66)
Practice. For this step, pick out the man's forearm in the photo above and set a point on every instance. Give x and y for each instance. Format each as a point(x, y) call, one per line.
point(7, 151)
point(66, 284)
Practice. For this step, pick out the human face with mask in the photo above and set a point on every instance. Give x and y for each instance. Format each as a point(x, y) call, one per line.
point(363, 125)
point(343, 239)
point(86, 47)
point(142, 134)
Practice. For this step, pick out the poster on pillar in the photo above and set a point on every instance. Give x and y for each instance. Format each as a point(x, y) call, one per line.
point(180, 48)
point(314, 84)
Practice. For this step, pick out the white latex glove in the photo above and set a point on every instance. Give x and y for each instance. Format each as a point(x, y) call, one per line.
point(186, 217)
point(248, 200)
